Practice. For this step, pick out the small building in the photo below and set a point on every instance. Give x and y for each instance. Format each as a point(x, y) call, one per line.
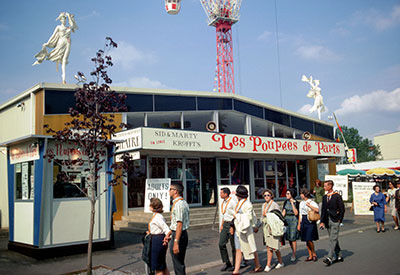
point(389, 144)
point(200, 139)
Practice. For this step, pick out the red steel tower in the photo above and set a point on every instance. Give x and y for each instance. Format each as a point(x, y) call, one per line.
point(222, 14)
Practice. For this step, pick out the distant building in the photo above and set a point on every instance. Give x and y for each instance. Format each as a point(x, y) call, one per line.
point(389, 145)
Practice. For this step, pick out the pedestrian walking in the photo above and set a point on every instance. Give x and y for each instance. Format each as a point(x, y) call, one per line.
point(391, 201)
point(378, 202)
point(227, 209)
point(179, 225)
point(318, 193)
point(245, 226)
point(272, 242)
point(160, 234)
point(290, 211)
point(332, 214)
point(397, 199)
point(308, 229)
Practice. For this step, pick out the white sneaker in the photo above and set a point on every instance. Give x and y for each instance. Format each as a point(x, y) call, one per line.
point(267, 269)
point(292, 259)
point(279, 265)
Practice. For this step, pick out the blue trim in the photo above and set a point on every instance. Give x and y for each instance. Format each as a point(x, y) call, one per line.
point(37, 203)
point(110, 191)
point(11, 197)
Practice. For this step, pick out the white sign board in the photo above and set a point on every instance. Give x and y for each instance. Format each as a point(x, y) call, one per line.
point(25, 181)
point(340, 185)
point(232, 188)
point(157, 188)
point(132, 140)
point(361, 194)
point(24, 152)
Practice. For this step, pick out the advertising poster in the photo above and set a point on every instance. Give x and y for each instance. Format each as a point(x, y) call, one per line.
point(340, 185)
point(232, 188)
point(157, 188)
point(25, 181)
point(361, 194)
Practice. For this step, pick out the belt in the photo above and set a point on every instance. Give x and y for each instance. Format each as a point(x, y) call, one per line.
point(227, 221)
point(175, 230)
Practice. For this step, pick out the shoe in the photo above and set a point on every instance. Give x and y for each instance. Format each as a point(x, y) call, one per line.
point(378, 231)
point(309, 259)
point(383, 230)
point(327, 261)
point(226, 267)
point(292, 259)
point(314, 258)
point(337, 260)
point(256, 270)
point(267, 269)
point(235, 273)
point(279, 265)
point(396, 228)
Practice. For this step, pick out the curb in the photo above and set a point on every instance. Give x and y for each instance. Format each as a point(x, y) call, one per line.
point(202, 267)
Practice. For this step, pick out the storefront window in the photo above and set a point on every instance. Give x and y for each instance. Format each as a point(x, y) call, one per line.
point(136, 182)
point(66, 183)
point(231, 122)
point(261, 127)
point(135, 120)
point(196, 121)
point(259, 181)
point(157, 168)
point(240, 171)
point(291, 175)
point(24, 180)
point(164, 120)
point(193, 189)
point(281, 171)
point(302, 174)
point(175, 171)
point(283, 132)
point(224, 171)
point(270, 175)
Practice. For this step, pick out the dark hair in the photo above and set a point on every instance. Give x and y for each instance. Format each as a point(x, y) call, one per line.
point(292, 192)
point(178, 186)
point(330, 182)
point(157, 205)
point(377, 185)
point(242, 192)
point(269, 191)
point(226, 190)
point(305, 192)
point(318, 182)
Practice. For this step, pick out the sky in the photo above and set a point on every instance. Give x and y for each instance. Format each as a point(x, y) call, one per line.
point(352, 47)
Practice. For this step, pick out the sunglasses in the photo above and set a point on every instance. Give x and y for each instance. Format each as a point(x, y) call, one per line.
point(172, 189)
point(267, 195)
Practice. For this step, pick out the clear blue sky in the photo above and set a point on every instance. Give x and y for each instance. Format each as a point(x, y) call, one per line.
point(352, 47)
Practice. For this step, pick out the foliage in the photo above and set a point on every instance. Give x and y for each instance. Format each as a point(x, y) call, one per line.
point(366, 150)
point(90, 131)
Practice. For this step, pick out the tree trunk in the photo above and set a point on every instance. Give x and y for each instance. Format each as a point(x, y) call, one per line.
point(90, 243)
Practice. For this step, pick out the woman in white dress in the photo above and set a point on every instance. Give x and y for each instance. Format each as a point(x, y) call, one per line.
point(60, 41)
point(390, 199)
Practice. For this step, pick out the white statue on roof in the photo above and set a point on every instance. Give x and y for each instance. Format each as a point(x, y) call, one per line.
point(315, 92)
point(60, 42)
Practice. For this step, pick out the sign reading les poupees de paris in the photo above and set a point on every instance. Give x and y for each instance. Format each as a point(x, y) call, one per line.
point(180, 140)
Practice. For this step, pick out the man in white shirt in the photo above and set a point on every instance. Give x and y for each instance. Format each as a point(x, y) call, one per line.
point(227, 209)
point(179, 225)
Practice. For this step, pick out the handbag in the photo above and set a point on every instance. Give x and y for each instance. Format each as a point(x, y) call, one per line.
point(313, 216)
point(371, 208)
point(146, 253)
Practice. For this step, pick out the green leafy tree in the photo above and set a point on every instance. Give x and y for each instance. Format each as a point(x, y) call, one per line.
point(366, 150)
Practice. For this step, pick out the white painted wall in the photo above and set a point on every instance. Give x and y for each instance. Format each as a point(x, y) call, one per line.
point(389, 145)
point(23, 222)
point(3, 189)
point(18, 120)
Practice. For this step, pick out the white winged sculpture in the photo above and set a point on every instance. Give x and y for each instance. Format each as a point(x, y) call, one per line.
point(315, 92)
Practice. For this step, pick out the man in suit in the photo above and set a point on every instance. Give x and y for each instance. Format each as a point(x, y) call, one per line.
point(332, 215)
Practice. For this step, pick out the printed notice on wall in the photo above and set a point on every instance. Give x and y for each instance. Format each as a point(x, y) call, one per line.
point(157, 188)
point(25, 181)
point(340, 185)
point(361, 194)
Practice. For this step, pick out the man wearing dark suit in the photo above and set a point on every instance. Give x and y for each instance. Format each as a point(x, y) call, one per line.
point(332, 214)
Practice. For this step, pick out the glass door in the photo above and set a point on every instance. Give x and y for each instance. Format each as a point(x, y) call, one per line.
point(193, 185)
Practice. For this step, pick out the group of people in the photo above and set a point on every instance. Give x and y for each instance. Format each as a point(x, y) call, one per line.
point(175, 235)
point(379, 204)
point(291, 223)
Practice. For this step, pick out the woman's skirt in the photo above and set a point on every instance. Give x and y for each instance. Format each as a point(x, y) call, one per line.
point(379, 214)
point(158, 252)
point(308, 230)
point(292, 234)
point(392, 208)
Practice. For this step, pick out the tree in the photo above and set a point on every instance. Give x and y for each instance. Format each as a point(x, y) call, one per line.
point(366, 150)
point(89, 133)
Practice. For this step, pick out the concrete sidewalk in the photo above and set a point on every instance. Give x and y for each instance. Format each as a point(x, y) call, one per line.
point(202, 252)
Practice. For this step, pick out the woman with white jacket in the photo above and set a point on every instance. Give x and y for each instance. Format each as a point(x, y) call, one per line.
point(245, 226)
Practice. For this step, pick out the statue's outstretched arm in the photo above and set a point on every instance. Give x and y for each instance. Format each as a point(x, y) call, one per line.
point(72, 23)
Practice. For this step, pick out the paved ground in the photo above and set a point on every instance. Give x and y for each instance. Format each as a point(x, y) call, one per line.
point(366, 252)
